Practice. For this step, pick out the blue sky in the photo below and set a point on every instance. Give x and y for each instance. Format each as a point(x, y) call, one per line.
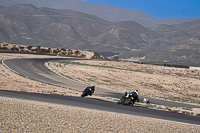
point(159, 8)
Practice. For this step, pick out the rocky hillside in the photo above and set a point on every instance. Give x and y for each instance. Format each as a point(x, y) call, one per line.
point(46, 27)
point(179, 42)
point(27, 24)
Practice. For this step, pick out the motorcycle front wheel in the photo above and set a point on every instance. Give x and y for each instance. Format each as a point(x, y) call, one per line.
point(119, 102)
point(83, 94)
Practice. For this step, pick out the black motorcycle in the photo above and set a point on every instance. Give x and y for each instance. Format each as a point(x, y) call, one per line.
point(88, 91)
point(130, 100)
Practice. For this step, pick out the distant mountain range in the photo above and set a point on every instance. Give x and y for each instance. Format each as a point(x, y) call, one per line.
point(106, 12)
point(64, 28)
point(27, 24)
point(179, 42)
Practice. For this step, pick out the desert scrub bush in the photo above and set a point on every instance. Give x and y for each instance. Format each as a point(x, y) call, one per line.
point(160, 108)
point(186, 112)
point(54, 92)
point(168, 109)
point(185, 108)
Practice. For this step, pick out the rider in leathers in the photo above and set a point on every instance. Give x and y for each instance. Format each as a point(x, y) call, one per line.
point(90, 89)
point(133, 94)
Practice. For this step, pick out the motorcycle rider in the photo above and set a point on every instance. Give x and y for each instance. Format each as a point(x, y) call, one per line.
point(136, 96)
point(91, 89)
point(133, 94)
point(88, 91)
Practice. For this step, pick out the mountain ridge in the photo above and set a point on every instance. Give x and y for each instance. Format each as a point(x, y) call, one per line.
point(45, 26)
point(65, 28)
point(104, 11)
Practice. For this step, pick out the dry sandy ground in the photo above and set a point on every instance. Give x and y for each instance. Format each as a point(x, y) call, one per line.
point(26, 116)
point(175, 84)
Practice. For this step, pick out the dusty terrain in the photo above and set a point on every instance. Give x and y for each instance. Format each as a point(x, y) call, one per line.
point(26, 116)
point(177, 84)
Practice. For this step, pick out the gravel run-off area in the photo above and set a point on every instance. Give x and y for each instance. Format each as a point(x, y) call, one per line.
point(28, 116)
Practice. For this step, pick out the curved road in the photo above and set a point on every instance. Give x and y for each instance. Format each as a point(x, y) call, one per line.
point(35, 69)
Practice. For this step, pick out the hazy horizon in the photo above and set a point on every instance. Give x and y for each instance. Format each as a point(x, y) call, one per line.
point(158, 8)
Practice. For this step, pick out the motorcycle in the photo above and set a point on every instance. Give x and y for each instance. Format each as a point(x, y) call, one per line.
point(126, 101)
point(88, 91)
point(130, 100)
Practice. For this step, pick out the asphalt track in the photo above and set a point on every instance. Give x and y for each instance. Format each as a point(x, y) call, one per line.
point(35, 69)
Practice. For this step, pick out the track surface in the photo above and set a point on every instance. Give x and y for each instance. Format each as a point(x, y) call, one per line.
point(35, 69)
point(102, 105)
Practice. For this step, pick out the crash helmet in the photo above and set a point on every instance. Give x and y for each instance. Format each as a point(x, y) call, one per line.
point(92, 87)
point(136, 91)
